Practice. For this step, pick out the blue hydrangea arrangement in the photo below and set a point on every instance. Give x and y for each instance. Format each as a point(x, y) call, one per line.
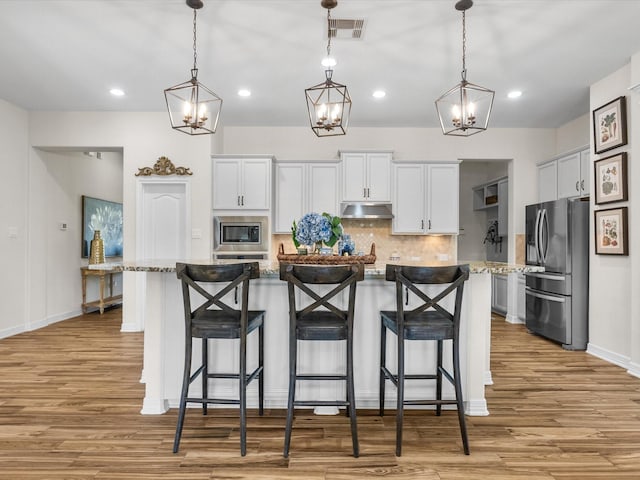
point(314, 229)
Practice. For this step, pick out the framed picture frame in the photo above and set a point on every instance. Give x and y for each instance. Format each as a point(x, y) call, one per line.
point(611, 231)
point(610, 125)
point(105, 216)
point(610, 179)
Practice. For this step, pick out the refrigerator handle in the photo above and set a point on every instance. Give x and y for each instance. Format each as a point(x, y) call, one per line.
point(536, 230)
point(545, 234)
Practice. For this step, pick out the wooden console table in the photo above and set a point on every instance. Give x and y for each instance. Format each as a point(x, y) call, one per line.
point(102, 302)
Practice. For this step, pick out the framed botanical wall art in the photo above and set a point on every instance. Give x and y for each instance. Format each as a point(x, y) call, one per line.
point(610, 179)
point(610, 125)
point(105, 216)
point(611, 231)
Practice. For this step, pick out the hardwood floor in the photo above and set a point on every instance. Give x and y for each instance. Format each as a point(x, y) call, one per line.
point(70, 398)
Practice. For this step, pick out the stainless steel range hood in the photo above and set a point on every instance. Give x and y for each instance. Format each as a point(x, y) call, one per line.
point(365, 210)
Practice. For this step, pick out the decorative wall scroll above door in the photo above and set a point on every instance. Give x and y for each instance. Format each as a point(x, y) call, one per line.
point(163, 166)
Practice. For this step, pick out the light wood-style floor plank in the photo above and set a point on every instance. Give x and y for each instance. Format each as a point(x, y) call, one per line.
point(70, 399)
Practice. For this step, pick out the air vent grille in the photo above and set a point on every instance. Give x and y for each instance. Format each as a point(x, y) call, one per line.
point(346, 28)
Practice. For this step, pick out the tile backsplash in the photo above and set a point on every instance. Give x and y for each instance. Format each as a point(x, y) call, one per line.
point(364, 232)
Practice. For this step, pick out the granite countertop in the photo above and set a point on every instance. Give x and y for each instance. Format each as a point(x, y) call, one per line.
point(270, 268)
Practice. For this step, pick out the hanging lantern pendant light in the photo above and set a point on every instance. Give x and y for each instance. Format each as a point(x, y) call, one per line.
point(465, 109)
point(193, 108)
point(328, 103)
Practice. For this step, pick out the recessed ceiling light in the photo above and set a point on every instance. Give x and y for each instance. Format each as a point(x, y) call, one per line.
point(116, 92)
point(379, 94)
point(243, 92)
point(514, 94)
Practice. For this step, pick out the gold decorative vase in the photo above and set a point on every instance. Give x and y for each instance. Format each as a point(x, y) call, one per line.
point(96, 254)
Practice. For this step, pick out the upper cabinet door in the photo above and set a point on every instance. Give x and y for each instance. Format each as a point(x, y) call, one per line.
point(408, 198)
point(256, 192)
point(379, 177)
point(569, 176)
point(442, 198)
point(585, 173)
point(354, 175)
point(547, 182)
point(289, 202)
point(324, 188)
point(241, 183)
point(226, 183)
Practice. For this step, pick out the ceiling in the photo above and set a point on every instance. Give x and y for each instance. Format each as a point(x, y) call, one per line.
point(67, 54)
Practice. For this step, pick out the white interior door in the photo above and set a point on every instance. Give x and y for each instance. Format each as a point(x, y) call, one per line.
point(165, 233)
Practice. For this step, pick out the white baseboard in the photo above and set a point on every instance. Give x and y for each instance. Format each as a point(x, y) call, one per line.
point(476, 408)
point(10, 332)
point(634, 369)
point(609, 356)
point(488, 377)
point(514, 319)
point(63, 316)
point(130, 328)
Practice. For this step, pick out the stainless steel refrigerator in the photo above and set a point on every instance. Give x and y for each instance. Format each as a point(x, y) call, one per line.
point(557, 301)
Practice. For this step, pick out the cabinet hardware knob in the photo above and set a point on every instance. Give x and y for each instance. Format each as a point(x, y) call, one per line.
point(429, 224)
point(242, 202)
point(238, 201)
point(421, 224)
point(577, 189)
point(581, 184)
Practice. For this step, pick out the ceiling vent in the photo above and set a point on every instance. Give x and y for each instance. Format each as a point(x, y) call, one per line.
point(343, 28)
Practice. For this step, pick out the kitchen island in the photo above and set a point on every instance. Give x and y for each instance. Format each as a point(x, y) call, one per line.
point(163, 321)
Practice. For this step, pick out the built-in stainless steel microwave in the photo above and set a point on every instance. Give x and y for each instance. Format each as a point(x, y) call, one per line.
point(232, 234)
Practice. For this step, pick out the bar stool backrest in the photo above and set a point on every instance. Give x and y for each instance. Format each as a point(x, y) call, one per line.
point(409, 276)
point(342, 276)
point(194, 276)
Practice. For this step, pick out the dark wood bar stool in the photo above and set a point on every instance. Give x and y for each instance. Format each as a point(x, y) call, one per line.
point(215, 319)
point(428, 321)
point(321, 320)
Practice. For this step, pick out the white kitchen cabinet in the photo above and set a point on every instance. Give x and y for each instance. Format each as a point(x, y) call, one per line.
point(304, 187)
point(569, 176)
point(565, 177)
point(585, 173)
point(548, 181)
point(499, 293)
point(241, 183)
point(367, 176)
point(425, 198)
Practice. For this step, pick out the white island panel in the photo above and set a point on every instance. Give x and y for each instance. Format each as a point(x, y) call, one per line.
point(164, 341)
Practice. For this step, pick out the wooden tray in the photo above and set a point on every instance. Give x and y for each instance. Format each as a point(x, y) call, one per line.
point(326, 259)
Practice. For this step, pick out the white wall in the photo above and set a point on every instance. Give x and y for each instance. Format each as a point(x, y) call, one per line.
point(610, 289)
point(143, 138)
point(13, 218)
point(573, 135)
point(634, 218)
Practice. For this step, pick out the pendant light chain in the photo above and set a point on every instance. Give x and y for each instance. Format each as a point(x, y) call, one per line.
point(328, 32)
point(195, 54)
point(464, 46)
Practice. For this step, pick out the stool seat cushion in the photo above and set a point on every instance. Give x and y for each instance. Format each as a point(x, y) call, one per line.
point(429, 325)
point(321, 325)
point(221, 324)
